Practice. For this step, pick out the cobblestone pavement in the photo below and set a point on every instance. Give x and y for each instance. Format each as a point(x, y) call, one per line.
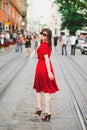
point(64, 116)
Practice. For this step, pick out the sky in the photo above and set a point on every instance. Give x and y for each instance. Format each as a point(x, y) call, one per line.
point(41, 8)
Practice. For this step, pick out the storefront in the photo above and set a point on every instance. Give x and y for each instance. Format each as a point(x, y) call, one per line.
point(1, 27)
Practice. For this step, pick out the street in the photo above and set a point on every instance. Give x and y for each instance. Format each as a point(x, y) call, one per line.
point(18, 99)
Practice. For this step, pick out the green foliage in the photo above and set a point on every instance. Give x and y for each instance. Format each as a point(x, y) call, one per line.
point(44, 25)
point(74, 14)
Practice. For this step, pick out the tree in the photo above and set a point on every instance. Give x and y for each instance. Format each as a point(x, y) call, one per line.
point(74, 14)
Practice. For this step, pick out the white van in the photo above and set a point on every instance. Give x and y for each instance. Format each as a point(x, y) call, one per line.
point(81, 38)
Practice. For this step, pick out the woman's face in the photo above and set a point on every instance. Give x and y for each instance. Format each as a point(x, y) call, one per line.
point(44, 36)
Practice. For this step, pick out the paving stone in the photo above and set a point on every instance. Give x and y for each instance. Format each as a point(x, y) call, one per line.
point(17, 113)
point(34, 126)
point(66, 124)
point(3, 128)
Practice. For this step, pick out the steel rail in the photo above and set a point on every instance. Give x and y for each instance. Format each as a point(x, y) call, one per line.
point(78, 107)
point(78, 68)
point(12, 75)
point(23, 60)
point(11, 61)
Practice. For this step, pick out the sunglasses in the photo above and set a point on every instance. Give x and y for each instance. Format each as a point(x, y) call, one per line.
point(43, 34)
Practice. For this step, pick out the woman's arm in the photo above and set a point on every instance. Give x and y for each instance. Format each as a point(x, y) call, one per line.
point(50, 74)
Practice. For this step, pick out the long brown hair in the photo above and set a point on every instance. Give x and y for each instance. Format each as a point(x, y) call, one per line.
point(49, 35)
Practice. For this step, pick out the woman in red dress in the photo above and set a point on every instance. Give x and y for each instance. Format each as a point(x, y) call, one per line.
point(44, 81)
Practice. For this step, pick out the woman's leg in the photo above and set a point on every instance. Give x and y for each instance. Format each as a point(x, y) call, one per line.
point(28, 51)
point(47, 115)
point(47, 103)
point(39, 104)
point(21, 48)
point(39, 100)
point(62, 49)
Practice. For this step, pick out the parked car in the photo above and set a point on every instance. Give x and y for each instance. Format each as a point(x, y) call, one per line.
point(83, 48)
point(80, 42)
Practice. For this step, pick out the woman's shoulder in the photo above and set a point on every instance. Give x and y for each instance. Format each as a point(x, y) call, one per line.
point(45, 45)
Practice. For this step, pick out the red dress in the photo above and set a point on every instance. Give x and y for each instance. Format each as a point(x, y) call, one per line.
point(42, 83)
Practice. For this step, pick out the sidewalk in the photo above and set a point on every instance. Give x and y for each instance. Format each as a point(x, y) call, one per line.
point(63, 112)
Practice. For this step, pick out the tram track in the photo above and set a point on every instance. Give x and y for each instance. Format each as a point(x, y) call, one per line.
point(9, 63)
point(80, 109)
point(9, 72)
point(78, 68)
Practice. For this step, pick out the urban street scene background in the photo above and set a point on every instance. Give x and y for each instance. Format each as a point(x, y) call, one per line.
point(21, 25)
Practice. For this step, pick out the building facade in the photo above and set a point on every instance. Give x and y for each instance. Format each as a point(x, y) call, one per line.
point(55, 18)
point(12, 15)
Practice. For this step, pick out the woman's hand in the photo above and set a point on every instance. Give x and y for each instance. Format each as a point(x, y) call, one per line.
point(51, 76)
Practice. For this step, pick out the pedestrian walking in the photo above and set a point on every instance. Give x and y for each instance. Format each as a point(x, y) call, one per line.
point(14, 35)
point(55, 41)
point(17, 42)
point(28, 43)
point(21, 42)
point(44, 81)
point(2, 38)
point(64, 43)
point(73, 43)
point(7, 35)
point(36, 40)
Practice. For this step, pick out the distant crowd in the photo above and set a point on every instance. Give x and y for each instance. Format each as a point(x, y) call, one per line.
point(72, 39)
point(19, 38)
